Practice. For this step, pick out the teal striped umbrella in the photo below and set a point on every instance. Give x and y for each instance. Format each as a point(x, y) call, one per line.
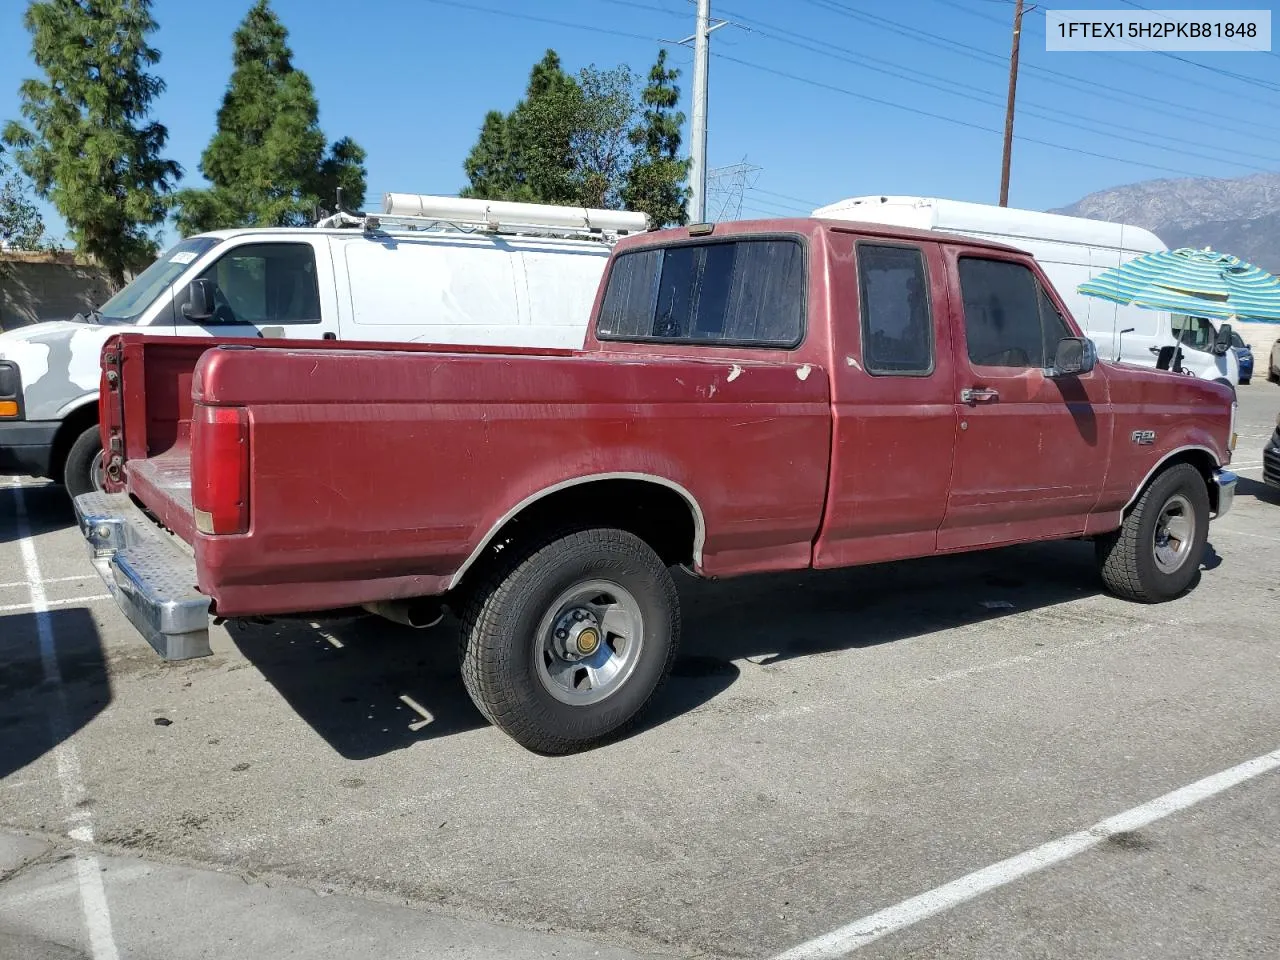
point(1200, 283)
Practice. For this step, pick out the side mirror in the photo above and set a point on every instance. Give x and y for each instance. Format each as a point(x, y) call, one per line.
point(1076, 355)
point(1222, 342)
point(199, 305)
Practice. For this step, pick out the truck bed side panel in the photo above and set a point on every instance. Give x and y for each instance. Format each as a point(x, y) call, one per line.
point(396, 467)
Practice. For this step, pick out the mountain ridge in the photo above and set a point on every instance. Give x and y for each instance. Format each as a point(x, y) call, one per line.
point(1240, 216)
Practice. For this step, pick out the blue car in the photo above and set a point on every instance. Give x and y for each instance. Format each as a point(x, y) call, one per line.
point(1245, 357)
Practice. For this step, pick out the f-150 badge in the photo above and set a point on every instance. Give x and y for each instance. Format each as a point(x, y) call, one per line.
point(1144, 437)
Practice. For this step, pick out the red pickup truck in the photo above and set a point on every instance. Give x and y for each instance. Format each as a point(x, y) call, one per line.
point(753, 397)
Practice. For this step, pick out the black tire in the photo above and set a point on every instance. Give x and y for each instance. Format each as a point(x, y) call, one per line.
point(1127, 558)
point(82, 461)
point(1273, 375)
point(502, 643)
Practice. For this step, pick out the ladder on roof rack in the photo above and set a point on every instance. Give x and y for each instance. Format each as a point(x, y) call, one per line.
point(493, 216)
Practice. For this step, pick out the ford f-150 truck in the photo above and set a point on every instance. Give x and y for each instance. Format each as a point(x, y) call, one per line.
point(752, 397)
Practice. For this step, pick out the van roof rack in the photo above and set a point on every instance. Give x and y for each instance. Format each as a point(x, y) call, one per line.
point(422, 211)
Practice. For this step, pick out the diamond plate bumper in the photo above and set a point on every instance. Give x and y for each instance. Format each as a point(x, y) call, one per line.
point(151, 578)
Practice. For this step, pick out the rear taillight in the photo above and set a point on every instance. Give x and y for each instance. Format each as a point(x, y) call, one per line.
point(220, 469)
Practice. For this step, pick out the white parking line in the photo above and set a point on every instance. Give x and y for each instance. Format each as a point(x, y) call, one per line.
point(69, 601)
point(24, 583)
point(93, 894)
point(858, 934)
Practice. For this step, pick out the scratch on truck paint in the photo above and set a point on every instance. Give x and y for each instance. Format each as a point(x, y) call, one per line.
point(852, 362)
point(734, 373)
point(803, 372)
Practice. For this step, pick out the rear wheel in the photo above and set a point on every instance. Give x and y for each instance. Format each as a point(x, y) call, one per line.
point(1156, 553)
point(569, 641)
point(83, 471)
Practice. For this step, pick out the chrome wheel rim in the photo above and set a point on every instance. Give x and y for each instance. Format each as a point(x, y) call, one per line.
point(1174, 533)
point(588, 644)
point(98, 472)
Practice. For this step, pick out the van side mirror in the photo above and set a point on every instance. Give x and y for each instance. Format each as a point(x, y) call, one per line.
point(1076, 355)
point(199, 305)
point(1222, 341)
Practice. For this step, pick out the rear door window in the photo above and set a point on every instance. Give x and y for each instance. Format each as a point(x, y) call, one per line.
point(746, 292)
point(897, 329)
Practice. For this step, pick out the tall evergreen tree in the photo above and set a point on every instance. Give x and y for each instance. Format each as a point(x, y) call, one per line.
point(656, 181)
point(267, 161)
point(87, 144)
point(586, 140)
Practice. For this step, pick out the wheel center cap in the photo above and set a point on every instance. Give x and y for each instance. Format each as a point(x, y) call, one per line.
point(588, 640)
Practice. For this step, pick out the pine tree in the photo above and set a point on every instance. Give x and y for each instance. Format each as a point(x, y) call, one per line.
point(87, 144)
point(267, 162)
point(528, 153)
point(655, 183)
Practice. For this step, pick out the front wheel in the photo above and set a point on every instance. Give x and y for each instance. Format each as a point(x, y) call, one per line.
point(568, 642)
point(83, 472)
point(1156, 553)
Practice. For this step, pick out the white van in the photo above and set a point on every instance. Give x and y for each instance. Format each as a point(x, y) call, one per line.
point(1071, 250)
point(426, 269)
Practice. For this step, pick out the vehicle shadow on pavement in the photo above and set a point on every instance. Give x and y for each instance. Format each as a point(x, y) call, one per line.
point(781, 617)
point(48, 509)
point(1258, 490)
point(363, 683)
point(36, 716)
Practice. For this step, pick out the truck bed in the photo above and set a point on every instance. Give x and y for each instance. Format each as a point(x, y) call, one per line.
point(143, 552)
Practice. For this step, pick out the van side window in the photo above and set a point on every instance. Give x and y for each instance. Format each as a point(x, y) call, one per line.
point(897, 330)
point(265, 284)
point(746, 292)
point(1194, 332)
point(1008, 321)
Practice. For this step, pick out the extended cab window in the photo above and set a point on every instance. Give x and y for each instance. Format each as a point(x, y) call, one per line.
point(266, 283)
point(897, 332)
point(1008, 319)
point(748, 292)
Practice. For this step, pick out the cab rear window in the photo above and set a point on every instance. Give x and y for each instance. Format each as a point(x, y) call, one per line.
point(732, 292)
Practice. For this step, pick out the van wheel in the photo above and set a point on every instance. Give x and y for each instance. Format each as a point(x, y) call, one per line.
point(1156, 553)
point(83, 471)
point(566, 643)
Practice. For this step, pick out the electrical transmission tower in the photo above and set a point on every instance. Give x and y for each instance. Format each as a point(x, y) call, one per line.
point(726, 187)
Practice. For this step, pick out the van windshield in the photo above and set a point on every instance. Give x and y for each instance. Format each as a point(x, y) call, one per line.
point(129, 304)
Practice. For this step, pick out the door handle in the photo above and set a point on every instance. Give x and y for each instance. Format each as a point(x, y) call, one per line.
point(1155, 350)
point(978, 395)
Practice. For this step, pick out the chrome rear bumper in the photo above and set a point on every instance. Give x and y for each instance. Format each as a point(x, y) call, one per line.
point(150, 576)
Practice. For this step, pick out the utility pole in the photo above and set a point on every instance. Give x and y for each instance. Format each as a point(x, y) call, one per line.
point(1008, 113)
point(698, 131)
point(698, 125)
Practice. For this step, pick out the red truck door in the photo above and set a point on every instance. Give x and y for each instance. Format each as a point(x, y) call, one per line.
point(894, 418)
point(1031, 451)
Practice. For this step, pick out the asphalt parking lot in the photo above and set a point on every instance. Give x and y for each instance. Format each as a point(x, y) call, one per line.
point(831, 748)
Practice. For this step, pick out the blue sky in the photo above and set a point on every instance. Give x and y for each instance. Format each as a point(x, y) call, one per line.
point(830, 98)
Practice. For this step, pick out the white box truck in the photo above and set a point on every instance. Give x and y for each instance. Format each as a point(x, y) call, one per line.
point(1071, 250)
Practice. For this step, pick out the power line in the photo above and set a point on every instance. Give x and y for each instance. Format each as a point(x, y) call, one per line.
point(977, 53)
point(952, 88)
point(555, 23)
point(952, 120)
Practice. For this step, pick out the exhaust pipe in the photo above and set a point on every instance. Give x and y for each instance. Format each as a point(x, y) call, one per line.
point(419, 612)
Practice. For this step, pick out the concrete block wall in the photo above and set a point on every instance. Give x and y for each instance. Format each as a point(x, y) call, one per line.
point(47, 286)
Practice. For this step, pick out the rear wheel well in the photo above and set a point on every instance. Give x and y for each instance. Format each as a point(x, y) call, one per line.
point(657, 514)
point(73, 424)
